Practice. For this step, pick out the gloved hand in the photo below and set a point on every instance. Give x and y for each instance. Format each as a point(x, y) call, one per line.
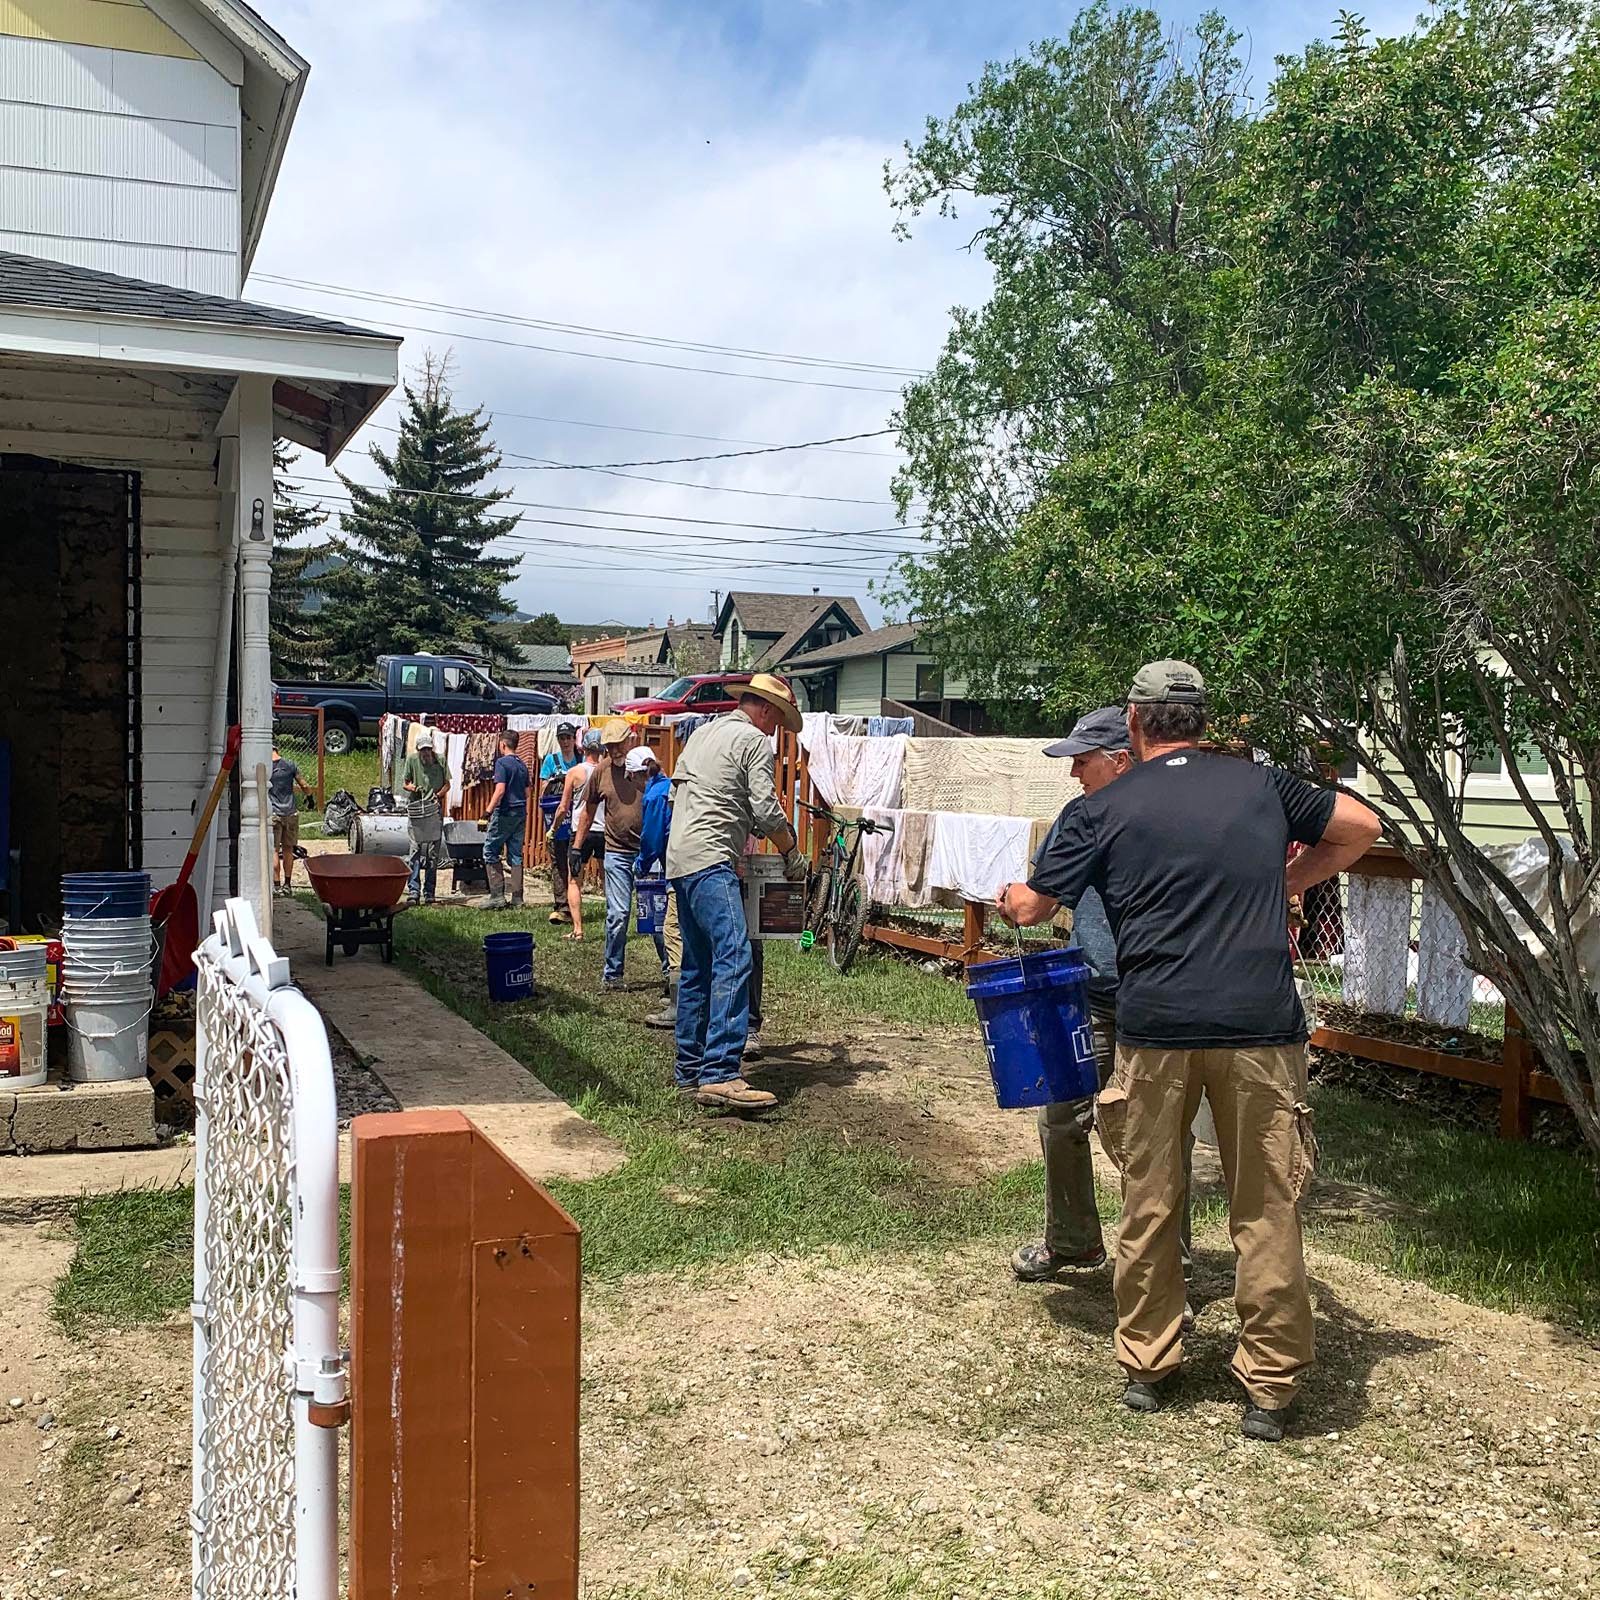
point(794, 865)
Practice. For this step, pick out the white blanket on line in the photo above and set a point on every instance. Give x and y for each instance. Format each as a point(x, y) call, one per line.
point(848, 770)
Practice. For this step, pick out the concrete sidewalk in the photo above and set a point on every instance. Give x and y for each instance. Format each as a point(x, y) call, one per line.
point(429, 1058)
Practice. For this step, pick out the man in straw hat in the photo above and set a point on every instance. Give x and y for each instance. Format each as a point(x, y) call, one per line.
point(723, 790)
point(1188, 853)
point(620, 793)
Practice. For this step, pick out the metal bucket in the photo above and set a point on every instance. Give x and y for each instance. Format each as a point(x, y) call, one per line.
point(108, 1037)
point(381, 836)
point(24, 1016)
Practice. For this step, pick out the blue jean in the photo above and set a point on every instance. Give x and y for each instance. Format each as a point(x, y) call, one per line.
point(505, 831)
point(424, 871)
point(714, 983)
point(619, 908)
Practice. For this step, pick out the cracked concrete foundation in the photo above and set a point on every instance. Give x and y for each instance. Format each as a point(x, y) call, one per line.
point(77, 1116)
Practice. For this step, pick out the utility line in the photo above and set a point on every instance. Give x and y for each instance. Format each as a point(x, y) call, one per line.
point(518, 462)
point(596, 355)
point(703, 438)
point(604, 511)
point(587, 330)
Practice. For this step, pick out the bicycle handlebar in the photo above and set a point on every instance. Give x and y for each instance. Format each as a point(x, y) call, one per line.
point(865, 824)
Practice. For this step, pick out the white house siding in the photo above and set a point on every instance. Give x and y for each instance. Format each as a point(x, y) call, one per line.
point(120, 161)
point(157, 426)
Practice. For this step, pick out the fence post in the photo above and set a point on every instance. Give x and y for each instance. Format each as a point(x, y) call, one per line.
point(464, 1337)
point(1516, 1100)
point(974, 919)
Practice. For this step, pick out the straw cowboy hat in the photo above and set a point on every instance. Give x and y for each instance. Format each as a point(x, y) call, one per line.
point(776, 692)
point(616, 731)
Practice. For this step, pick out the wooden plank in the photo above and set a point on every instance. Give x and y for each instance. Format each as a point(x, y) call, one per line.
point(922, 944)
point(1468, 1069)
point(1384, 861)
point(1516, 1105)
point(110, 450)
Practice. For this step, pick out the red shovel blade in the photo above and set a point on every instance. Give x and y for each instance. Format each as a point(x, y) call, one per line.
point(176, 908)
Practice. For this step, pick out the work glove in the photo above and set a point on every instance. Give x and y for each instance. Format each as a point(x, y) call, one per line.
point(794, 865)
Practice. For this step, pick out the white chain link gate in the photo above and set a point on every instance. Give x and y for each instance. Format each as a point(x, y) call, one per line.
point(264, 1515)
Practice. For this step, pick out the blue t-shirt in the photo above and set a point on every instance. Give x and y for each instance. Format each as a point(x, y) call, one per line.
point(511, 771)
point(555, 765)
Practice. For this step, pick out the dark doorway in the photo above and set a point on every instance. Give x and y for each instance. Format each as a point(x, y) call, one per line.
point(68, 672)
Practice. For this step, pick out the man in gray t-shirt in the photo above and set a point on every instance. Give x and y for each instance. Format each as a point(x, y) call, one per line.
point(281, 785)
point(1100, 752)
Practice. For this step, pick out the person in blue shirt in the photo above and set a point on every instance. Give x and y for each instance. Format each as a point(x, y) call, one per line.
point(553, 771)
point(508, 823)
point(657, 818)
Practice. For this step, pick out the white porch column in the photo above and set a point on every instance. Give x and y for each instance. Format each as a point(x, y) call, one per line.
point(253, 511)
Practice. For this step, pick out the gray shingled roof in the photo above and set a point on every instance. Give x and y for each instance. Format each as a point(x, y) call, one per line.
point(876, 643)
point(782, 613)
point(54, 286)
point(545, 657)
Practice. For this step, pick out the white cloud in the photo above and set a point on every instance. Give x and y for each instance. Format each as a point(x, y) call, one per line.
point(581, 171)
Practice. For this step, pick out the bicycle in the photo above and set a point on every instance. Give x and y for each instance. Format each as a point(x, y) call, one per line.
point(836, 900)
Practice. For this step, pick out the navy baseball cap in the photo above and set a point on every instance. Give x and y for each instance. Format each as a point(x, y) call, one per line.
point(1105, 729)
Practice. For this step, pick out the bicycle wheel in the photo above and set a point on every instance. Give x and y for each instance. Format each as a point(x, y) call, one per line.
point(849, 923)
point(819, 900)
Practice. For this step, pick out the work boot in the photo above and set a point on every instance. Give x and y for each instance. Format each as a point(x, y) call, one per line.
point(516, 887)
point(667, 1016)
point(734, 1094)
point(1262, 1423)
point(1038, 1263)
point(1148, 1398)
point(496, 879)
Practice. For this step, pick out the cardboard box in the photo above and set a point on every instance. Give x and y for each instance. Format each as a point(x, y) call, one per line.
point(773, 907)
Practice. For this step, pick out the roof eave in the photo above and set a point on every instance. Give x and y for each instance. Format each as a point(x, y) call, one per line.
point(363, 369)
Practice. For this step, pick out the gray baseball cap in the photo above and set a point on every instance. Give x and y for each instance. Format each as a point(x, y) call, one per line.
point(1164, 682)
point(1105, 729)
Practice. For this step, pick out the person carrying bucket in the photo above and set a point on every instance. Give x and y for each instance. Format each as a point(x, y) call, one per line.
point(425, 782)
point(282, 782)
point(653, 825)
point(1188, 851)
point(1100, 753)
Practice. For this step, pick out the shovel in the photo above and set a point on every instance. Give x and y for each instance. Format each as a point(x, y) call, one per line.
point(174, 910)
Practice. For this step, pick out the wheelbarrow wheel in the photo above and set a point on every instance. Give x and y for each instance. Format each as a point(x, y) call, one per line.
point(350, 946)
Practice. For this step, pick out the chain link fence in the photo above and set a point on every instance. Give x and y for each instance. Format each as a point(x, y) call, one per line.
point(298, 737)
point(264, 1513)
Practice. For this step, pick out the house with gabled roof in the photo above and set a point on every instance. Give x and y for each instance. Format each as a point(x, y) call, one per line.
point(140, 397)
point(762, 631)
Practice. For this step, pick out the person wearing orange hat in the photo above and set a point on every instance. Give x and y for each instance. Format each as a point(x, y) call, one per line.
point(723, 790)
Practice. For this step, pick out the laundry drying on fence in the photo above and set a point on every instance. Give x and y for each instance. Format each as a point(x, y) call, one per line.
point(944, 857)
point(986, 777)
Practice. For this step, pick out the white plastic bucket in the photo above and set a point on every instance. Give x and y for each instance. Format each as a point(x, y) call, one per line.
point(24, 1014)
point(107, 1037)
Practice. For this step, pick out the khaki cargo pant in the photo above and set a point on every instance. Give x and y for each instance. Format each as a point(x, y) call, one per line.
point(1258, 1100)
point(1071, 1216)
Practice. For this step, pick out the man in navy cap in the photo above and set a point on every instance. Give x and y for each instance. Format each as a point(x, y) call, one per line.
point(1100, 752)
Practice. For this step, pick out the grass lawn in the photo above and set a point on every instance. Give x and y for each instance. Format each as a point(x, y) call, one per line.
point(1510, 1226)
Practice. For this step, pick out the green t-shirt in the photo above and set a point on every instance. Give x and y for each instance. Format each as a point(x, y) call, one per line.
point(429, 779)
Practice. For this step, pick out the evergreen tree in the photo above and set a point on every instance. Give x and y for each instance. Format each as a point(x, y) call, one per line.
point(546, 628)
point(298, 643)
point(412, 571)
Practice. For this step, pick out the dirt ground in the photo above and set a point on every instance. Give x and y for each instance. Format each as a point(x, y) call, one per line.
point(917, 1423)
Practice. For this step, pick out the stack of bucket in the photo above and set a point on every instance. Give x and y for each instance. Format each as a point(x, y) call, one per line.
point(24, 1010)
point(107, 975)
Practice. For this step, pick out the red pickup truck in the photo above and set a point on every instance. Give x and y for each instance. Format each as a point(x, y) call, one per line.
point(706, 694)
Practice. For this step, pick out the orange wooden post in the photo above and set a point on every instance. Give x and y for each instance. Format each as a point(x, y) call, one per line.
point(1516, 1102)
point(974, 919)
point(464, 1354)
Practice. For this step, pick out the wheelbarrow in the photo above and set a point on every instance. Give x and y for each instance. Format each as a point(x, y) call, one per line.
point(361, 896)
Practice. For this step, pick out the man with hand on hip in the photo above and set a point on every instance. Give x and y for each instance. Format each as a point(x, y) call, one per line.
point(621, 793)
point(1188, 853)
point(723, 790)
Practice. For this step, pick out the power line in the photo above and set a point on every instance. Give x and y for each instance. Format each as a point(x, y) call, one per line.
point(527, 463)
point(703, 438)
point(612, 511)
point(586, 330)
point(627, 361)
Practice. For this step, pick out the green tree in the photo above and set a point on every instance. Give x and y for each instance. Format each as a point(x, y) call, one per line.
point(298, 642)
point(546, 628)
point(1367, 506)
point(412, 570)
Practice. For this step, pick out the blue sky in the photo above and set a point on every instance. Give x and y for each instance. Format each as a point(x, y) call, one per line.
point(704, 171)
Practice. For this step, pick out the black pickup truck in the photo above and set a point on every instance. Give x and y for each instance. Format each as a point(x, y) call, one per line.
point(407, 686)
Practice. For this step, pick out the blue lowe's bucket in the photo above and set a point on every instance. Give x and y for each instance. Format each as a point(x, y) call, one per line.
point(509, 958)
point(1034, 1010)
point(652, 894)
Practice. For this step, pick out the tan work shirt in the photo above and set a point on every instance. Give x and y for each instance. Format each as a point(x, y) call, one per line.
point(722, 791)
